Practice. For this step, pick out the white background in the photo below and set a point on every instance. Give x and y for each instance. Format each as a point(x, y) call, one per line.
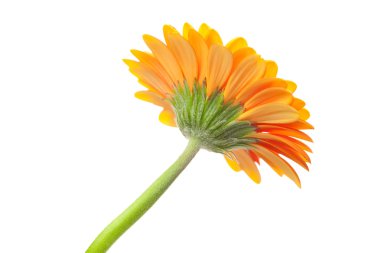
point(76, 147)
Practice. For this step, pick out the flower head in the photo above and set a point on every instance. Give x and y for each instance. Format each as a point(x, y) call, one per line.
point(227, 97)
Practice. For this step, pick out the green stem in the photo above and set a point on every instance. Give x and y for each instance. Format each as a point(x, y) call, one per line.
point(138, 208)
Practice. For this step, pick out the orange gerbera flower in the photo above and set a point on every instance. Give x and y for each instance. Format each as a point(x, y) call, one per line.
point(237, 72)
point(224, 98)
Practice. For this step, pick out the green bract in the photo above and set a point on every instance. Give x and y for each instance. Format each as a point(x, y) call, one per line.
point(209, 119)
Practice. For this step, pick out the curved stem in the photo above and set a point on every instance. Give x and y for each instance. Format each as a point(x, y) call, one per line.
point(138, 208)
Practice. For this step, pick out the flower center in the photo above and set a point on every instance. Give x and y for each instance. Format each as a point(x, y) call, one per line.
point(209, 119)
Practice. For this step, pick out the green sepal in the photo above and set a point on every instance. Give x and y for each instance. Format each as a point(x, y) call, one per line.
point(209, 119)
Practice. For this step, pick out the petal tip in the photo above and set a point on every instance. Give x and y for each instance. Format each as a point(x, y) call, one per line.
point(129, 63)
point(148, 38)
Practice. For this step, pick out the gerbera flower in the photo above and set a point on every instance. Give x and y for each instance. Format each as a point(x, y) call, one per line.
point(263, 106)
point(223, 98)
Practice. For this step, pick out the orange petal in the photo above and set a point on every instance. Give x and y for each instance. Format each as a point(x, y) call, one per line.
point(284, 150)
point(270, 95)
point(259, 72)
point(240, 55)
point(240, 76)
point(147, 75)
point(236, 44)
point(280, 130)
point(185, 56)
point(299, 144)
point(277, 163)
point(154, 64)
point(244, 162)
point(289, 142)
point(299, 124)
point(219, 67)
point(165, 57)
point(247, 92)
point(248, 165)
point(271, 113)
point(149, 87)
point(201, 52)
point(254, 156)
point(297, 103)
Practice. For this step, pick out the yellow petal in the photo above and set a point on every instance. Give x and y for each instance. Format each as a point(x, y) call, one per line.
point(165, 57)
point(270, 95)
point(236, 44)
point(201, 52)
point(291, 86)
point(304, 114)
point(204, 30)
point(233, 164)
point(151, 97)
point(186, 28)
point(185, 56)
point(167, 117)
point(219, 67)
point(277, 162)
point(168, 29)
point(246, 163)
point(271, 113)
point(213, 38)
point(271, 69)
